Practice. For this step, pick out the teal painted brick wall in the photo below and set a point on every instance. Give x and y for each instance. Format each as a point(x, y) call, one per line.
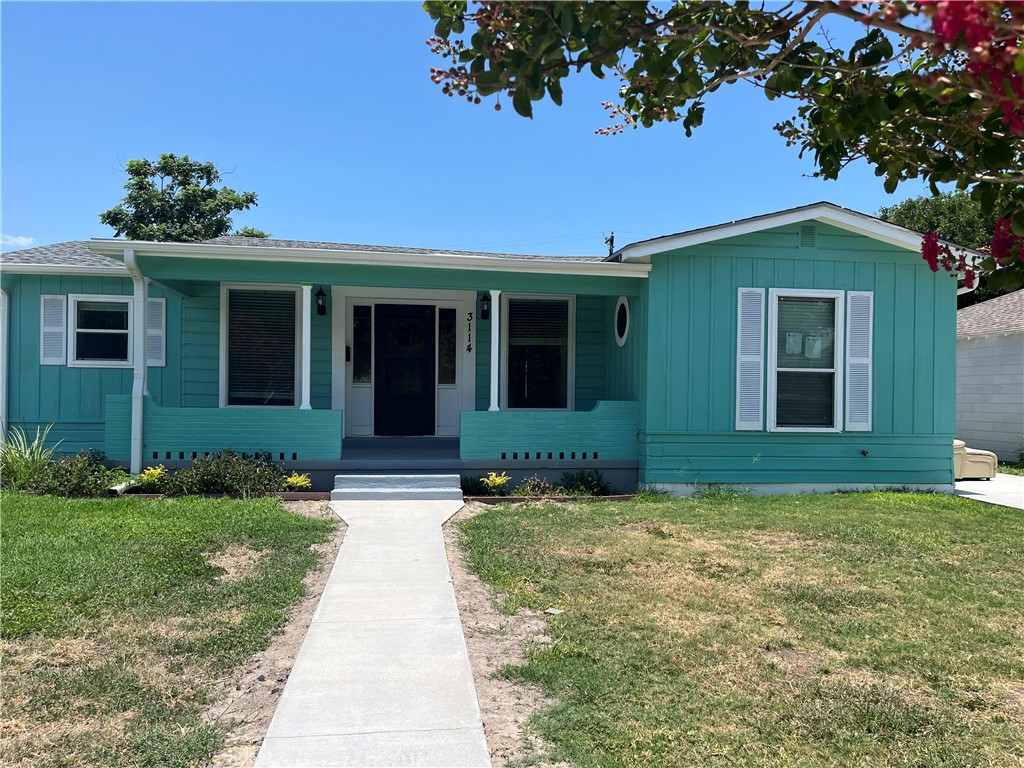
point(609, 431)
point(309, 435)
point(689, 403)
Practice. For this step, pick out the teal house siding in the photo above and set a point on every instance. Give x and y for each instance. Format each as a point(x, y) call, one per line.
point(72, 398)
point(200, 366)
point(689, 435)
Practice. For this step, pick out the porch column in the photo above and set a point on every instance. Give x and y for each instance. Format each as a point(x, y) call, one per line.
point(307, 346)
point(495, 347)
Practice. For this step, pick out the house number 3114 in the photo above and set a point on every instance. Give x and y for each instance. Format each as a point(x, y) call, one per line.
point(469, 331)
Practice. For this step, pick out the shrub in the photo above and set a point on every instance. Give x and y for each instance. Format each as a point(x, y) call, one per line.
point(585, 483)
point(22, 460)
point(473, 486)
point(151, 480)
point(537, 486)
point(495, 483)
point(297, 482)
point(228, 473)
point(87, 473)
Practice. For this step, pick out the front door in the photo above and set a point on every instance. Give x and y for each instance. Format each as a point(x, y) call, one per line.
point(404, 381)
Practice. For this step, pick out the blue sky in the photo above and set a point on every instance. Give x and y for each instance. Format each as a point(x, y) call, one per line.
point(327, 111)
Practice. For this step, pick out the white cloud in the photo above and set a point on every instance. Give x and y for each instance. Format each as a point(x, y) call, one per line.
point(16, 241)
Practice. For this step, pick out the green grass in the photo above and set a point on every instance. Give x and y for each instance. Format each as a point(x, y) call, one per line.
point(872, 629)
point(114, 623)
point(1011, 467)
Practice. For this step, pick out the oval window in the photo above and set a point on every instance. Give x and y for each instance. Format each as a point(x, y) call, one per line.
point(621, 320)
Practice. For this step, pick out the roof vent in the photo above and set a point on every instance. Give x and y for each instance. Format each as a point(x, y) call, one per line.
point(808, 236)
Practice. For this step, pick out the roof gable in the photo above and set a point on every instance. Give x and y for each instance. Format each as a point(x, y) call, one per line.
point(824, 212)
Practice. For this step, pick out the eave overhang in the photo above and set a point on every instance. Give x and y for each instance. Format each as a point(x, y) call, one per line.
point(314, 256)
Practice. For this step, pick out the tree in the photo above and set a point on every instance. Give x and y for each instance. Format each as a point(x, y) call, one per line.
point(931, 90)
point(174, 200)
point(250, 232)
point(957, 218)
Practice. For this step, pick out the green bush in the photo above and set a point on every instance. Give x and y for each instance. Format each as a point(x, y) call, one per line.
point(585, 483)
point(22, 460)
point(87, 473)
point(473, 486)
point(228, 473)
point(538, 486)
point(151, 480)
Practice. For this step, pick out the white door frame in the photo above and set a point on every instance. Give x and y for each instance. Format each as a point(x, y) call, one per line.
point(343, 298)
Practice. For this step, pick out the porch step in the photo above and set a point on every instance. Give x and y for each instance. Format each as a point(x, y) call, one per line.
point(395, 487)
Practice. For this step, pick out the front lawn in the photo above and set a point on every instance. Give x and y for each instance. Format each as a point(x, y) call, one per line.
point(871, 629)
point(117, 614)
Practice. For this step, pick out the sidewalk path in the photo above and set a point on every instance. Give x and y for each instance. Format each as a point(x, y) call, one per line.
point(1004, 490)
point(382, 678)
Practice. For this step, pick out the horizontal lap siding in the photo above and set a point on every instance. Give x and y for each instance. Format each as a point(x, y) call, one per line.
point(690, 393)
point(200, 366)
point(990, 394)
point(593, 328)
point(313, 435)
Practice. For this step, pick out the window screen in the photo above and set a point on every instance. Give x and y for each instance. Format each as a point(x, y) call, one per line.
point(806, 365)
point(538, 353)
point(261, 347)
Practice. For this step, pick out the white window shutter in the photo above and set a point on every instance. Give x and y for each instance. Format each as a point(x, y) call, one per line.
point(156, 332)
point(750, 360)
point(53, 339)
point(858, 360)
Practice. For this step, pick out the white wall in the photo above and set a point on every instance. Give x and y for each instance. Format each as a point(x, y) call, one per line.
point(990, 393)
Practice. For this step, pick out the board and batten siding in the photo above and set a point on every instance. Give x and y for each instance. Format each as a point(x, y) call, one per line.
point(688, 419)
point(990, 393)
point(72, 399)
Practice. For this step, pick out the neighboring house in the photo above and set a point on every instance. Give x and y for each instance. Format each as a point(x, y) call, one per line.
point(807, 349)
point(990, 375)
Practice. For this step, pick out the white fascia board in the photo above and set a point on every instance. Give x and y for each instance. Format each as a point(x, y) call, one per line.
point(553, 266)
point(826, 214)
point(60, 269)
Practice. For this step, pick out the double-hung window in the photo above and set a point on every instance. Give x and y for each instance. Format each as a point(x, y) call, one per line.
point(262, 333)
point(97, 331)
point(817, 365)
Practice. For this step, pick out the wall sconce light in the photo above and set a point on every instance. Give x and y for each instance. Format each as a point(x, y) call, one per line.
point(485, 307)
point(321, 301)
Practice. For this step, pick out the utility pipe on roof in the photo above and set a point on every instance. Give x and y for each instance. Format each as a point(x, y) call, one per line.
point(138, 358)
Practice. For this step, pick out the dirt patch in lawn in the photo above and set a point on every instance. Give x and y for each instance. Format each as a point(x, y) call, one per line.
point(496, 640)
point(236, 560)
point(246, 699)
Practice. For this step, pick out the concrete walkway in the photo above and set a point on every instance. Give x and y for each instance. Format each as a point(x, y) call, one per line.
point(1004, 490)
point(382, 678)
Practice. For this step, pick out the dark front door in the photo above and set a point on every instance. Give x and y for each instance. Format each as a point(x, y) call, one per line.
point(403, 395)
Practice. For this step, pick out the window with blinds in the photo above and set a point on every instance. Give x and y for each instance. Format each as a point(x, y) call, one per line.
point(805, 362)
point(538, 353)
point(261, 348)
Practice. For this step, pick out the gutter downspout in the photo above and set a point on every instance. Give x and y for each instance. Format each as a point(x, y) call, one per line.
point(138, 358)
point(4, 352)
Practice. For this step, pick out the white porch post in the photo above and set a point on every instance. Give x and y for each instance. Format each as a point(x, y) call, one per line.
point(495, 347)
point(307, 346)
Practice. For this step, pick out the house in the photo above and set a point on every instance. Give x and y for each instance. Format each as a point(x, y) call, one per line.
point(990, 375)
point(808, 349)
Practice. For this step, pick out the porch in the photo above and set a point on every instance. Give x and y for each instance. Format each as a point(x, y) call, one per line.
point(520, 443)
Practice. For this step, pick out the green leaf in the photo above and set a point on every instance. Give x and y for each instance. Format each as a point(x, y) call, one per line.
point(555, 91)
point(1017, 222)
point(521, 101)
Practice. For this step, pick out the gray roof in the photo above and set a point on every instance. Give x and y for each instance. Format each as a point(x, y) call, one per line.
point(272, 243)
point(1003, 314)
point(73, 254)
point(77, 253)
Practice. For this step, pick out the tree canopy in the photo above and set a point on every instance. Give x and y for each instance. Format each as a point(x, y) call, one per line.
point(175, 200)
point(956, 218)
point(250, 232)
point(928, 90)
